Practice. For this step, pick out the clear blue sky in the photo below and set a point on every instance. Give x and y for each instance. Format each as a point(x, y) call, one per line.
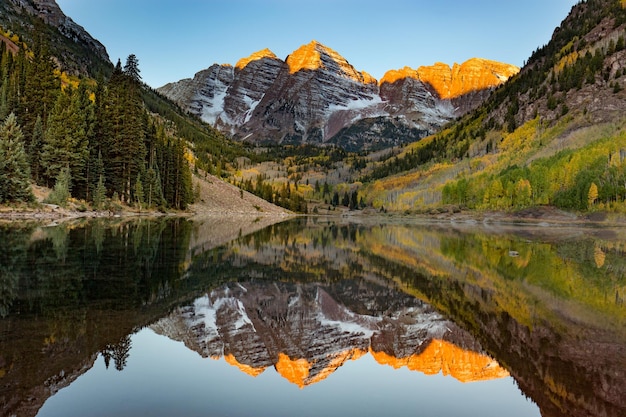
point(174, 39)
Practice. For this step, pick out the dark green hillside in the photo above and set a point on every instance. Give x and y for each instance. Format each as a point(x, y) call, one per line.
point(212, 148)
point(105, 142)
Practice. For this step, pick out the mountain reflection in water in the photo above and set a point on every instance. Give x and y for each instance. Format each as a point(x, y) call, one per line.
point(306, 334)
point(305, 297)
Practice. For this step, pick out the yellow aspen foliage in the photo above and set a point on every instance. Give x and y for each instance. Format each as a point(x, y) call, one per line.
point(189, 156)
point(565, 61)
point(523, 192)
point(599, 256)
point(592, 195)
point(615, 160)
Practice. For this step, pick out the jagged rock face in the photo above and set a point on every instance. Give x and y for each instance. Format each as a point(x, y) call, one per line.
point(71, 47)
point(225, 96)
point(51, 13)
point(408, 95)
point(441, 92)
point(306, 333)
point(204, 94)
point(315, 95)
point(254, 76)
point(306, 98)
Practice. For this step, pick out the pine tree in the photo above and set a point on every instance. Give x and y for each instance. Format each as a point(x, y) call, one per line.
point(131, 68)
point(4, 97)
point(97, 171)
point(34, 150)
point(125, 125)
point(345, 201)
point(62, 188)
point(85, 107)
point(153, 195)
point(97, 142)
point(40, 85)
point(139, 194)
point(99, 194)
point(66, 142)
point(354, 200)
point(14, 170)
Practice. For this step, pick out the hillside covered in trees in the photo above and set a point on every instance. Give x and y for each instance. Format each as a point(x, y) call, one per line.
point(552, 135)
point(89, 140)
point(555, 134)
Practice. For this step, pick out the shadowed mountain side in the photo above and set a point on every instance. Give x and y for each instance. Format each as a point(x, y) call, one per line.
point(73, 49)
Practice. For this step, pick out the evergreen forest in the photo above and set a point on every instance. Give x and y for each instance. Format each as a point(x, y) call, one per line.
point(90, 140)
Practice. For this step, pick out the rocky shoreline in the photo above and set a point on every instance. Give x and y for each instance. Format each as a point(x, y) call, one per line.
point(215, 198)
point(539, 216)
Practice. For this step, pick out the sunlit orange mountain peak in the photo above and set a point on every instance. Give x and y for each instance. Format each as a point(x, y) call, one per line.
point(444, 357)
point(305, 57)
point(263, 53)
point(250, 370)
point(475, 74)
point(315, 56)
point(301, 372)
point(392, 76)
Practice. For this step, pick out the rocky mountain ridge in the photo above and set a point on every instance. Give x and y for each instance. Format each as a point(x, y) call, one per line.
point(315, 96)
point(306, 333)
point(73, 48)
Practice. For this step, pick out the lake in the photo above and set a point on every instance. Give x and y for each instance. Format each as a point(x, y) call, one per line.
point(311, 317)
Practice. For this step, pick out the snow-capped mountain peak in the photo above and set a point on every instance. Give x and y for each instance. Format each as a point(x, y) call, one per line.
point(315, 96)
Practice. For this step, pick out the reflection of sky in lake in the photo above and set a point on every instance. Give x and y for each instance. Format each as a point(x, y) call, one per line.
point(165, 378)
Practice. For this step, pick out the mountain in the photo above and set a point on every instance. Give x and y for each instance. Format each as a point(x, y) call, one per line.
point(554, 134)
point(73, 48)
point(42, 52)
point(316, 96)
point(306, 333)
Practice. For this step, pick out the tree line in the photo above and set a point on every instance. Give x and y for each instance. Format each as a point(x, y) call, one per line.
point(590, 179)
point(91, 140)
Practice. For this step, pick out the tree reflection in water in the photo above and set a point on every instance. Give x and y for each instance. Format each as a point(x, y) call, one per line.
point(553, 316)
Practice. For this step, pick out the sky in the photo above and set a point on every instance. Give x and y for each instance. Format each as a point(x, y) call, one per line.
point(174, 39)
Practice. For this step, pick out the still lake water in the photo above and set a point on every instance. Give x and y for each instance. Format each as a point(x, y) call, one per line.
point(311, 317)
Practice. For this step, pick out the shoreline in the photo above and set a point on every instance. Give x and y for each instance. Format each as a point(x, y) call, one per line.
point(56, 213)
point(538, 216)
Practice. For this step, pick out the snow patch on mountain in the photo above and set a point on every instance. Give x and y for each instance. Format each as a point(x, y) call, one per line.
point(315, 93)
point(213, 107)
point(357, 104)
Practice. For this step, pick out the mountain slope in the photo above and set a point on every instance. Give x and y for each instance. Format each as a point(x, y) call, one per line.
point(316, 96)
point(548, 136)
point(74, 49)
point(152, 143)
point(219, 198)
